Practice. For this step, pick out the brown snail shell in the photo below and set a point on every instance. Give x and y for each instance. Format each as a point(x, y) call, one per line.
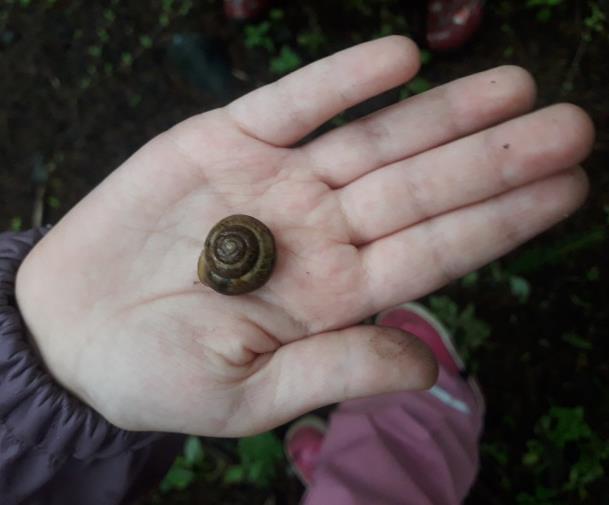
point(238, 256)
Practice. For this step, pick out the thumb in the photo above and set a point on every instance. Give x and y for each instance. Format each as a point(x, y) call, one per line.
point(340, 365)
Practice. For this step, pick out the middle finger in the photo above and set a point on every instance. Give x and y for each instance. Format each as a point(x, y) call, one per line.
point(419, 123)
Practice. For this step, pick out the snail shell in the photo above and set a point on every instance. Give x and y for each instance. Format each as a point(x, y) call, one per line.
point(238, 256)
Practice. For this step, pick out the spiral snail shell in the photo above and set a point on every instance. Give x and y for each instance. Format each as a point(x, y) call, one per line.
point(238, 256)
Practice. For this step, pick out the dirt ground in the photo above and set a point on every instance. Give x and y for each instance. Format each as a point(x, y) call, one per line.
point(84, 84)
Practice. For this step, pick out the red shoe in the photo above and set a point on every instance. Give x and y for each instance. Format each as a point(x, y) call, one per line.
point(241, 10)
point(451, 23)
point(302, 446)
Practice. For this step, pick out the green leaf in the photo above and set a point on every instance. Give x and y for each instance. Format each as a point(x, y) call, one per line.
point(103, 35)
point(593, 274)
point(542, 496)
point(126, 59)
point(95, 51)
point(265, 447)
point(135, 100)
point(53, 202)
point(563, 425)
point(404, 93)
point(185, 7)
point(384, 30)
point(576, 341)
point(470, 279)
point(520, 288)
point(534, 454)
point(286, 61)
point(339, 120)
point(596, 21)
point(261, 474)
point(587, 469)
point(234, 475)
point(164, 20)
point(313, 41)
point(537, 257)
point(446, 310)
point(260, 456)
point(498, 452)
point(475, 331)
point(361, 6)
point(109, 15)
point(470, 333)
point(146, 41)
point(418, 85)
point(179, 476)
point(544, 15)
point(543, 3)
point(497, 272)
point(16, 223)
point(425, 56)
point(276, 14)
point(193, 451)
point(259, 36)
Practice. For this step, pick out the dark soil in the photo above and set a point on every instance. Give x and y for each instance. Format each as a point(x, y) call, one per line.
point(70, 114)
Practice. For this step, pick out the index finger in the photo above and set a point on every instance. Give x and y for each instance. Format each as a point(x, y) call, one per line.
point(283, 112)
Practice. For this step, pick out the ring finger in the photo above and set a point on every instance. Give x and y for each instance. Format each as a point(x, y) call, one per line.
point(466, 171)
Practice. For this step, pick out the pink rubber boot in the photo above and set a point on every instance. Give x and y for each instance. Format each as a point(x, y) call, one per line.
point(304, 439)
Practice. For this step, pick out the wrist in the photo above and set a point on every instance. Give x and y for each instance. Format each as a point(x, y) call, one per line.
point(41, 294)
point(34, 300)
point(26, 299)
point(37, 414)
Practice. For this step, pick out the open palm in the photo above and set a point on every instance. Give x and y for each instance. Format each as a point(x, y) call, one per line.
point(375, 213)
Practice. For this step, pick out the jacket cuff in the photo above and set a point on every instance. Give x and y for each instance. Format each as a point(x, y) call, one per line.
point(37, 413)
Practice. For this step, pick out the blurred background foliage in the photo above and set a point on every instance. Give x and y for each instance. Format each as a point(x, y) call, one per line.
point(84, 84)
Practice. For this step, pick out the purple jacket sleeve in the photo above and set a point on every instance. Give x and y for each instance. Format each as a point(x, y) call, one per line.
point(54, 449)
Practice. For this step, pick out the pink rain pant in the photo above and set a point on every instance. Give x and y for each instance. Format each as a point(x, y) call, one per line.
point(416, 448)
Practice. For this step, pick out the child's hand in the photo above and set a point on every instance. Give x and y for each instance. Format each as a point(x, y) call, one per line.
point(378, 212)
